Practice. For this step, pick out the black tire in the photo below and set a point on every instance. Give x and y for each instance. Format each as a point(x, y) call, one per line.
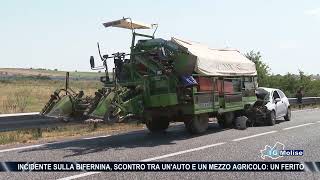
point(271, 119)
point(225, 120)
point(157, 124)
point(197, 124)
point(287, 117)
point(241, 123)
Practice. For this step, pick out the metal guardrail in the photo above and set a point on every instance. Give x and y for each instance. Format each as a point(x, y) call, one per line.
point(305, 100)
point(18, 114)
point(9, 122)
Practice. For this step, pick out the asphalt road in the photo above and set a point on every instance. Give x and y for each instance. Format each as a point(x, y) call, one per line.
point(302, 132)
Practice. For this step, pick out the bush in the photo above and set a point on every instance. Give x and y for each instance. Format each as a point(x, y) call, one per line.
point(36, 133)
point(93, 126)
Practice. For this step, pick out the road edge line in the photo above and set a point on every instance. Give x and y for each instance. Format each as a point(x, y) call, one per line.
point(301, 125)
point(252, 136)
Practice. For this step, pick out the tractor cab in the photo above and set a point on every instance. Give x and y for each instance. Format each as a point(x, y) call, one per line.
point(120, 59)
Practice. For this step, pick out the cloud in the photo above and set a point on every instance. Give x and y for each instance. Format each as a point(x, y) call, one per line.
point(313, 12)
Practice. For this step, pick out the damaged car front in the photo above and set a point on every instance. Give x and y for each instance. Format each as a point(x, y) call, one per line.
point(261, 111)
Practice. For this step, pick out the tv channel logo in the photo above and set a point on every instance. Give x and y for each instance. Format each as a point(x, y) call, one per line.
point(278, 150)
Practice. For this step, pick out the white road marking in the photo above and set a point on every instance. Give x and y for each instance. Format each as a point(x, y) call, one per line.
point(182, 152)
point(310, 109)
point(20, 148)
point(147, 160)
point(19, 114)
point(292, 127)
point(318, 121)
point(172, 154)
point(96, 137)
point(256, 135)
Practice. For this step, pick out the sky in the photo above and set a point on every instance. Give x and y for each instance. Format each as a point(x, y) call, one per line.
point(63, 34)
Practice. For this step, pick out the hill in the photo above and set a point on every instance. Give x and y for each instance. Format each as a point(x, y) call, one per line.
point(46, 73)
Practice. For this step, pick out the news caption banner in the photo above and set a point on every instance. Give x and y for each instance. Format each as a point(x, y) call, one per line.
point(158, 166)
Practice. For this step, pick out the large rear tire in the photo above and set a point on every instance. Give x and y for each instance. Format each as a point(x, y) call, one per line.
point(225, 120)
point(197, 124)
point(157, 124)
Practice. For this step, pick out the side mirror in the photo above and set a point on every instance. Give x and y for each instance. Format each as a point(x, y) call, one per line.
point(277, 100)
point(92, 62)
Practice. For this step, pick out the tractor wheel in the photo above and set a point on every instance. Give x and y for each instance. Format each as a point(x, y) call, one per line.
point(271, 119)
point(157, 124)
point(197, 124)
point(288, 115)
point(225, 120)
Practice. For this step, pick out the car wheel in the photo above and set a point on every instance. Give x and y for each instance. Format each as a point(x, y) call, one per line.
point(271, 119)
point(287, 117)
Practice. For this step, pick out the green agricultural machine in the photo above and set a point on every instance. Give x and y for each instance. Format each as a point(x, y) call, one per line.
point(162, 81)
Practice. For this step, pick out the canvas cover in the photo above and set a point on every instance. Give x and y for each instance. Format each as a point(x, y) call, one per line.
point(127, 24)
point(217, 62)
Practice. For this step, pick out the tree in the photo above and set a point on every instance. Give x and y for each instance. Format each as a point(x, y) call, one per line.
point(288, 83)
point(262, 68)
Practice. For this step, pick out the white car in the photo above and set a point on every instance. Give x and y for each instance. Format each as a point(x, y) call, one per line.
point(271, 105)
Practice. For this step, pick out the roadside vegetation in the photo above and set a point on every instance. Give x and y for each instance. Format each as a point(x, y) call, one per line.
point(289, 83)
